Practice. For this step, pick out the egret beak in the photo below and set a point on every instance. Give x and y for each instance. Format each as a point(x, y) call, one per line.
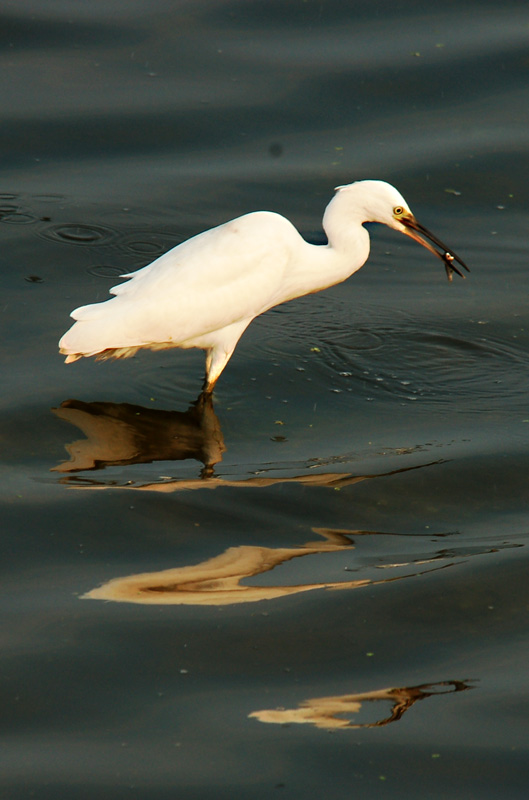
point(427, 239)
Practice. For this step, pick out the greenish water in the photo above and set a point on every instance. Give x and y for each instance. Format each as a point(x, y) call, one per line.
point(342, 536)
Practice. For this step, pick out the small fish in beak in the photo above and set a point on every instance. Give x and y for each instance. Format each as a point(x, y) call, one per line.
point(422, 235)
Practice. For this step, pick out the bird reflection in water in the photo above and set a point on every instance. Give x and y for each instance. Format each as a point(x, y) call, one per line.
point(123, 434)
point(332, 713)
point(120, 434)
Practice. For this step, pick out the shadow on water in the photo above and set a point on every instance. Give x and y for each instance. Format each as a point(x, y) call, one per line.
point(332, 713)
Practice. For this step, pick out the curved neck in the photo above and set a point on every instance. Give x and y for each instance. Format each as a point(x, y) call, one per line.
point(316, 267)
point(343, 223)
point(347, 237)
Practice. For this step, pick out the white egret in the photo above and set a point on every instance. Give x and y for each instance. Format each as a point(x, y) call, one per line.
point(205, 292)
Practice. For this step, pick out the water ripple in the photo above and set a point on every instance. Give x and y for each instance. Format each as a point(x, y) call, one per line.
point(106, 271)
point(435, 366)
point(79, 234)
point(149, 244)
point(402, 359)
point(18, 218)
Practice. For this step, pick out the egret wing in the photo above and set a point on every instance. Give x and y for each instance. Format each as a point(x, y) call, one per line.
point(220, 277)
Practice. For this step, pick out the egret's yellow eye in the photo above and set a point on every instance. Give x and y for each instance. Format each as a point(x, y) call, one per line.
point(398, 211)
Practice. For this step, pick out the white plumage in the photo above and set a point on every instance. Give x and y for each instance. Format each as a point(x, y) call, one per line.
point(206, 291)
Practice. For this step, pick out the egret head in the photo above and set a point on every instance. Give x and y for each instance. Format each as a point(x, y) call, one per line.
point(378, 201)
point(375, 201)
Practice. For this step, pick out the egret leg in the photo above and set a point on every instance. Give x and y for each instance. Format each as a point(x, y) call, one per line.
point(218, 356)
point(216, 360)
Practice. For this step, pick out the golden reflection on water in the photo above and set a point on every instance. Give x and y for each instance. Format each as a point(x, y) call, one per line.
point(331, 713)
point(123, 434)
point(217, 581)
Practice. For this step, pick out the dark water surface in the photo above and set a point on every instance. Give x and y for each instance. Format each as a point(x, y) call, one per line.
point(317, 586)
